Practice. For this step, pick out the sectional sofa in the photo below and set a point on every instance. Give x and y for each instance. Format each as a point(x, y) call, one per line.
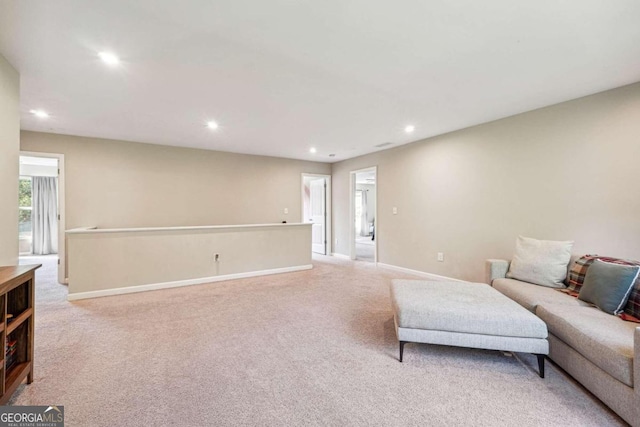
point(599, 350)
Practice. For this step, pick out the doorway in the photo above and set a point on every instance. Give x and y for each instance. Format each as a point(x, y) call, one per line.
point(316, 210)
point(41, 210)
point(364, 234)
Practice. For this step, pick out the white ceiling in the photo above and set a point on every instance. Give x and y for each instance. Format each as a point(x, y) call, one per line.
point(282, 76)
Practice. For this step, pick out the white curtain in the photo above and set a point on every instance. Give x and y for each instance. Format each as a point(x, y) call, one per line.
point(44, 216)
point(364, 224)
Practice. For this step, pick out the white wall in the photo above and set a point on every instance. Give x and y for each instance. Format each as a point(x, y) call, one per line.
point(565, 172)
point(108, 262)
point(9, 157)
point(117, 184)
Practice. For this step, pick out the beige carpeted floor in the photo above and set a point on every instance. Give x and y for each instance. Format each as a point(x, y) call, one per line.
point(365, 249)
point(307, 348)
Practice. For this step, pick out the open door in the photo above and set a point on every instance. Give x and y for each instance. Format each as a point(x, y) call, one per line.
point(363, 211)
point(51, 165)
point(318, 210)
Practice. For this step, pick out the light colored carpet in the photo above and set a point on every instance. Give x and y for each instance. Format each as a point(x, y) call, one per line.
point(365, 252)
point(365, 240)
point(365, 249)
point(309, 348)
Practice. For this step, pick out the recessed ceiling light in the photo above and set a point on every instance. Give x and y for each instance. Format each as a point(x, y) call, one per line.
point(212, 125)
point(313, 150)
point(39, 113)
point(409, 129)
point(109, 58)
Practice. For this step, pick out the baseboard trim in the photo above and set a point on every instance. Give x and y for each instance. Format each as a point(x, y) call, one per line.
point(419, 273)
point(180, 283)
point(341, 256)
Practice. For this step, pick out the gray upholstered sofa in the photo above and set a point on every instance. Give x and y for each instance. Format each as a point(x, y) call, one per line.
point(599, 350)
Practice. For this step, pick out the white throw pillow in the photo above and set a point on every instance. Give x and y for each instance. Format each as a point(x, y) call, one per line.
point(542, 262)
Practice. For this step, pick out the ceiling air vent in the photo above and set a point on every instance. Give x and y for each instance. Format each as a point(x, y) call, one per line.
point(384, 144)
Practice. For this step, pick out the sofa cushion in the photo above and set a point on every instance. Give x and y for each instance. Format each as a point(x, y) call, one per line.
point(530, 296)
point(579, 269)
point(543, 262)
point(603, 339)
point(608, 285)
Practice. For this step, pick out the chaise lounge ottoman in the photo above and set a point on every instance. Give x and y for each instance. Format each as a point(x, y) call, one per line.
point(465, 314)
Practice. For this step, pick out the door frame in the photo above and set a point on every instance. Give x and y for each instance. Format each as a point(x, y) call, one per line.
point(352, 213)
point(327, 207)
point(62, 248)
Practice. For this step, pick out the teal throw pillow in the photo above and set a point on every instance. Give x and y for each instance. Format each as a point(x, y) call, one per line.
point(608, 286)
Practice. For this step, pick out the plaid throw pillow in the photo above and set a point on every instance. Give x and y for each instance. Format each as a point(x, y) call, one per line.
point(575, 279)
point(633, 305)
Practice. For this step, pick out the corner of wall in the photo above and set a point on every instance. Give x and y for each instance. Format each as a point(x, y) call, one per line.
point(9, 160)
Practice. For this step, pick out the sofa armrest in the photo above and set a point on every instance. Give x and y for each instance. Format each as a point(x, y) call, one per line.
point(496, 269)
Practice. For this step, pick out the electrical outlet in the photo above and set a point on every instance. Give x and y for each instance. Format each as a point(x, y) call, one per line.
point(216, 257)
point(286, 210)
point(440, 256)
point(395, 210)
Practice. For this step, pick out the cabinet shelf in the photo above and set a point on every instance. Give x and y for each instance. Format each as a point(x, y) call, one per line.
point(17, 287)
point(17, 371)
point(18, 320)
point(14, 378)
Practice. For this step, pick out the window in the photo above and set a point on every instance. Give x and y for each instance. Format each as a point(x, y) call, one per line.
point(24, 215)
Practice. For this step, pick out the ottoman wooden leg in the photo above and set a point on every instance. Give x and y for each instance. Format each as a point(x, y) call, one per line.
point(402, 343)
point(541, 364)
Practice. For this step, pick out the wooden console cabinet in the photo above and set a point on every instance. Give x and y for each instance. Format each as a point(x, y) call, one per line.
point(16, 327)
